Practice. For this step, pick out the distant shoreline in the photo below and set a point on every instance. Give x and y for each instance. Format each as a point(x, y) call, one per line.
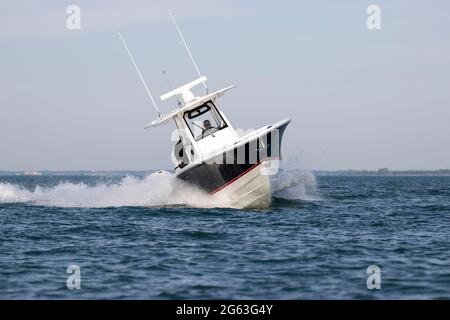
point(378, 173)
point(349, 172)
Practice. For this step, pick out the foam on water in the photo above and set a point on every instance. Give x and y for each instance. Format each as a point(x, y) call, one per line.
point(157, 189)
point(296, 185)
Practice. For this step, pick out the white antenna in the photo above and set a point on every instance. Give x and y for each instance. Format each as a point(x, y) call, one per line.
point(187, 49)
point(139, 73)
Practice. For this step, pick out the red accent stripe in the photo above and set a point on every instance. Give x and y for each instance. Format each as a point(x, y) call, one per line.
point(234, 179)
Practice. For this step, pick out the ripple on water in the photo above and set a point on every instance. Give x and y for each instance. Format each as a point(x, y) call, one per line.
point(306, 248)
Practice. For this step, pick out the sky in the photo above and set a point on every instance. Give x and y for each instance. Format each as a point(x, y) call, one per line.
point(358, 98)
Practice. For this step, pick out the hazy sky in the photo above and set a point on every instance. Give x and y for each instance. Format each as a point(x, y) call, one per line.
point(359, 99)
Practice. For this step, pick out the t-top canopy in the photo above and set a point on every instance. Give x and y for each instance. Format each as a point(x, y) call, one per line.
point(188, 106)
point(184, 91)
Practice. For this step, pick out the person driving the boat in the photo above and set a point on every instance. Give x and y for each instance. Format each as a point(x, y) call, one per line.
point(208, 128)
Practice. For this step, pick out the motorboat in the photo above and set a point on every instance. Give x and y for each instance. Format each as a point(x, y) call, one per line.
point(210, 154)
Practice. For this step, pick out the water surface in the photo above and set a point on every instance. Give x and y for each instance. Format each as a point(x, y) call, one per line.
point(132, 242)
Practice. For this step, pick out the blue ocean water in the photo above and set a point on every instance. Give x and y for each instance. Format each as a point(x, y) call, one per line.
point(131, 241)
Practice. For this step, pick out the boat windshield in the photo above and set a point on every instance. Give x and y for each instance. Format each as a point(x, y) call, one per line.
point(204, 120)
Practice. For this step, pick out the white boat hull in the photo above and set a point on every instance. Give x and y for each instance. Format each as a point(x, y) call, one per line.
point(250, 191)
point(243, 181)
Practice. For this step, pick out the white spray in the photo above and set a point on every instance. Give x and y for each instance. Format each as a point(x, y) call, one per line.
point(158, 189)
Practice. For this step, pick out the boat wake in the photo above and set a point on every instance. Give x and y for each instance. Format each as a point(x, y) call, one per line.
point(157, 189)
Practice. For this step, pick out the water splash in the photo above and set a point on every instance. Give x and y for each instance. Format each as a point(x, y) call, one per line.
point(295, 184)
point(157, 189)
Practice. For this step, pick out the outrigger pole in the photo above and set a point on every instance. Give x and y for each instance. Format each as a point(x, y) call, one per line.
point(187, 49)
point(139, 73)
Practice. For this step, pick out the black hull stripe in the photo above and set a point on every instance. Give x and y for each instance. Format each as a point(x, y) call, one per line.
point(210, 177)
